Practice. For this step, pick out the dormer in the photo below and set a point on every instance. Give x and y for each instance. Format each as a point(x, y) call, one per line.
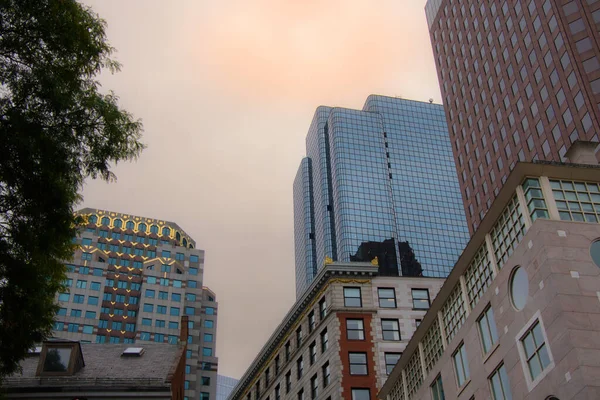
point(60, 358)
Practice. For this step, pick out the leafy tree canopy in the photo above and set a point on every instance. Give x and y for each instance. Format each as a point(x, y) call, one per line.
point(56, 129)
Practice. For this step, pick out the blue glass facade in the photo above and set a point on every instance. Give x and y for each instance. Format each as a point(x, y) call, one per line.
point(384, 185)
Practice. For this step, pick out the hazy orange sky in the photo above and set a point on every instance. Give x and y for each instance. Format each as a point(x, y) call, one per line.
point(226, 91)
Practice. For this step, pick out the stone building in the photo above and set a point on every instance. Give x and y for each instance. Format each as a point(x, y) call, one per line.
point(519, 316)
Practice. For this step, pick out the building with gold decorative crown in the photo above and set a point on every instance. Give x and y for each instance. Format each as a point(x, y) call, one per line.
point(131, 280)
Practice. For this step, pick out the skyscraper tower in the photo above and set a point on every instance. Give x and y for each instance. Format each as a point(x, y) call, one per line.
point(378, 183)
point(520, 81)
point(130, 281)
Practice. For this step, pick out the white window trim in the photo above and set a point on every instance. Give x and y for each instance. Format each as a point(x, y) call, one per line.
point(537, 317)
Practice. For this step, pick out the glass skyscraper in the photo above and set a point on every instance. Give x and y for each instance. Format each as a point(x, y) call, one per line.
point(378, 182)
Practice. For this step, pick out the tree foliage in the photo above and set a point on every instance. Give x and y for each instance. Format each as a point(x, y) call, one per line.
point(56, 129)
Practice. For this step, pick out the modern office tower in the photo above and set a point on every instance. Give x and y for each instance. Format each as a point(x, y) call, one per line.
point(341, 339)
point(378, 183)
point(520, 81)
point(130, 281)
point(518, 316)
point(225, 386)
point(69, 370)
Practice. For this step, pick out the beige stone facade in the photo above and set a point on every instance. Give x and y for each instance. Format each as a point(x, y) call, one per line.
point(325, 303)
point(543, 336)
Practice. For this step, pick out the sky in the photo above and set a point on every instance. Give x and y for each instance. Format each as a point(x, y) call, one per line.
point(226, 91)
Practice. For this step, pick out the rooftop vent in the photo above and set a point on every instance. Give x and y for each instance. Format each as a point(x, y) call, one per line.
point(133, 352)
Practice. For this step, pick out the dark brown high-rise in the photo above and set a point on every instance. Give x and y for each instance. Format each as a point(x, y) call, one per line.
point(520, 81)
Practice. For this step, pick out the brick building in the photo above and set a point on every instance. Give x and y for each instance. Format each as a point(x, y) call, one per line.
point(520, 81)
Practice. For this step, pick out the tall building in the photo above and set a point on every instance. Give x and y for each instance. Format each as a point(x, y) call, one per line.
point(378, 182)
point(341, 339)
point(519, 316)
point(131, 280)
point(520, 81)
point(225, 386)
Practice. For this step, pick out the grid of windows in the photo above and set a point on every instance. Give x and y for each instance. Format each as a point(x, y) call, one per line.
point(454, 313)
point(432, 346)
point(479, 275)
point(535, 199)
point(508, 231)
point(577, 201)
point(414, 374)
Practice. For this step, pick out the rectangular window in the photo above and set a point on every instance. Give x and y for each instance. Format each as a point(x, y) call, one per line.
point(73, 327)
point(387, 297)
point(391, 359)
point(299, 337)
point(89, 329)
point(324, 341)
point(207, 351)
point(78, 298)
point(460, 365)
point(93, 300)
point(420, 299)
point(210, 311)
point(487, 330)
point(90, 314)
point(355, 329)
point(301, 394)
point(535, 350)
point(390, 329)
point(174, 311)
point(63, 297)
point(208, 337)
point(500, 384)
point(95, 286)
point(352, 297)
point(311, 321)
point(160, 323)
point(81, 284)
point(75, 313)
point(288, 381)
point(194, 258)
point(358, 363)
point(361, 394)
point(437, 390)
point(314, 387)
point(148, 307)
point(163, 295)
point(322, 308)
point(192, 284)
point(175, 297)
point(313, 352)
point(287, 351)
point(61, 312)
point(326, 374)
point(300, 367)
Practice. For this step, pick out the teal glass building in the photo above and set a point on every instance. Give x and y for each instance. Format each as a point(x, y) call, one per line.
point(378, 182)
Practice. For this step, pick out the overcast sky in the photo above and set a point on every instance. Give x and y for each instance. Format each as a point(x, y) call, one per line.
point(226, 91)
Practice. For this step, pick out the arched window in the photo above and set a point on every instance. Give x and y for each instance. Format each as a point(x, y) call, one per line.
point(178, 236)
point(129, 225)
point(118, 223)
point(142, 227)
point(154, 229)
point(105, 221)
point(166, 231)
point(184, 242)
point(93, 219)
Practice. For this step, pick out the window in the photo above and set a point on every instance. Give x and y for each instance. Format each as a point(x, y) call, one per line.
point(314, 387)
point(75, 313)
point(288, 381)
point(93, 300)
point(176, 297)
point(278, 392)
point(95, 286)
point(437, 390)
point(355, 329)
point(519, 288)
point(300, 394)
point(390, 329)
point(352, 297)
point(535, 350)
point(207, 351)
point(193, 271)
point(192, 284)
point(324, 341)
point(391, 359)
point(358, 363)
point(160, 323)
point(90, 314)
point(595, 247)
point(78, 298)
point(208, 323)
point(73, 328)
point(313, 352)
point(420, 299)
point(81, 284)
point(300, 367)
point(208, 337)
point(322, 308)
point(500, 385)
point(63, 297)
point(89, 329)
point(287, 351)
point(174, 311)
point(190, 297)
point(86, 257)
point(61, 312)
point(299, 337)
point(311, 321)
point(487, 329)
point(387, 297)
point(361, 394)
point(148, 307)
point(460, 365)
point(326, 374)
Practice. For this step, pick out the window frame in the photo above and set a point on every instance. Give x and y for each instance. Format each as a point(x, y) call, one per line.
point(520, 337)
point(492, 331)
point(361, 335)
point(361, 364)
point(388, 330)
point(346, 298)
point(379, 297)
point(462, 352)
point(385, 355)
point(412, 292)
point(437, 388)
point(498, 371)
